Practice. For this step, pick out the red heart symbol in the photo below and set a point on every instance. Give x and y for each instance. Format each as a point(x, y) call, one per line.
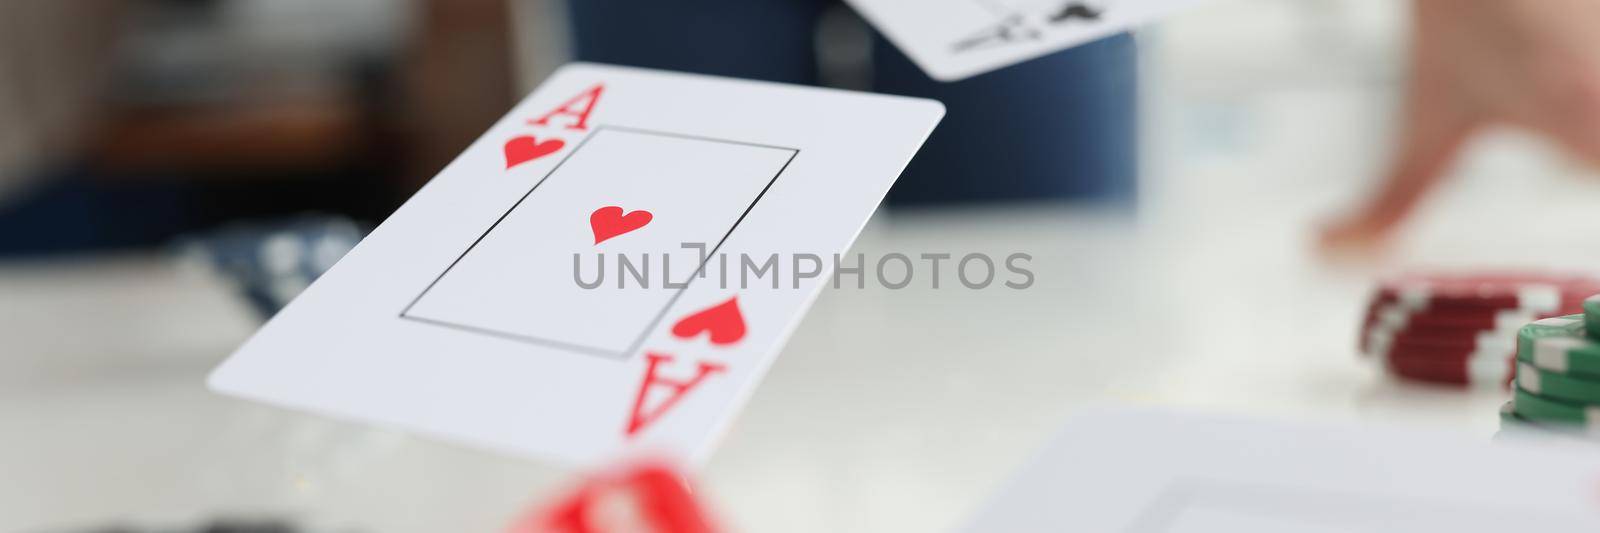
point(724, 321)
point(525, 148)
point(608, 222)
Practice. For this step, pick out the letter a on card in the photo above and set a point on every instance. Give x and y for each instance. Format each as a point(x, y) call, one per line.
point(675, 390)
point(579, 106)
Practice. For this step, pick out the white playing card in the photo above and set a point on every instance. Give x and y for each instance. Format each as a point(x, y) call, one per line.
point(957, 39)
point(1153, 472)
point(479, 311)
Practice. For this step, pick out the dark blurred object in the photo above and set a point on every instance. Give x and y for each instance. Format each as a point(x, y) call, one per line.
point(458, 78)
point(51, 81)
point(271, 263)
point(218, 526)
point(1059, 127)
point(79, 210)
point(251, 90)
point(188, 114)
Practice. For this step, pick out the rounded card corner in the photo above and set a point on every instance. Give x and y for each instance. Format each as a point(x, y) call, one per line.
point(217, 381)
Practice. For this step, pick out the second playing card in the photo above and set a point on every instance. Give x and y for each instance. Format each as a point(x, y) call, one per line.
point(955, 39)
point(563, 288)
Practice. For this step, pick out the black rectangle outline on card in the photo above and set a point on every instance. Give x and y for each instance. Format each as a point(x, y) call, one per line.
point(654, 322)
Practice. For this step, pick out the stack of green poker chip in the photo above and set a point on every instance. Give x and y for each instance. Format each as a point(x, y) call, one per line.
point(1591, 315)
point(1532, 407)
point(1513, 425)
point(1560, 345)
point(1558, 374)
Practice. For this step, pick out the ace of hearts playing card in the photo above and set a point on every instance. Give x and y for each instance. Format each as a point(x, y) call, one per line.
point(467, 315)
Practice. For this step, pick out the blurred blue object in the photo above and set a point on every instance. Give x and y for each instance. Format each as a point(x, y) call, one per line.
point(69, 212)
point(271, 262)
point(78, 210)
point(1060, 127)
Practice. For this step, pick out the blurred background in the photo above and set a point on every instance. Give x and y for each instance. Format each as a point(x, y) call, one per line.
point(172, 171)
point(131, 122)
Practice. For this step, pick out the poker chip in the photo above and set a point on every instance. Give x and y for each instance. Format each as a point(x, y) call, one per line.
point(1535, 292)
point(634, 497)
point(1516, 426)
point(1560, 345)
point(1536, 408)
point(1557, 386)
point(1463, 329)
point(1494, 371)
point(1379, 337)
point(1482, 341)
point(1433, 331)
point(1448, 361)
point(1591, 315)
point(1389, 319)
point(1558, 374)
point(1509, 418)
point(1445, 353)
point(1397, 317)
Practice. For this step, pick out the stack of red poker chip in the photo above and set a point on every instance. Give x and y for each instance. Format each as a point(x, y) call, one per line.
point(1462, 329)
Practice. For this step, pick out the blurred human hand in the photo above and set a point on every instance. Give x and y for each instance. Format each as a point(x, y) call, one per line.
point(1532, 64)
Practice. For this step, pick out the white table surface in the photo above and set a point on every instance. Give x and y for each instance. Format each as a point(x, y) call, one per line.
point(890, 410)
